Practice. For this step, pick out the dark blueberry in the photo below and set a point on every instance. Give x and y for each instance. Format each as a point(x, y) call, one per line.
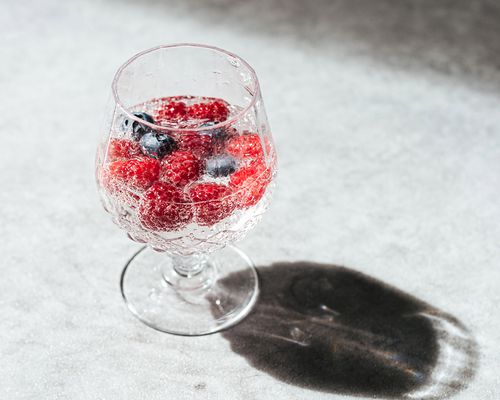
point(156, 144)
point(138, 129)
point(222, 165)
point(217, 133)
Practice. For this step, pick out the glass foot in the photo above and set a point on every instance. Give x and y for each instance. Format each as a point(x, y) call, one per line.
point(198, 303)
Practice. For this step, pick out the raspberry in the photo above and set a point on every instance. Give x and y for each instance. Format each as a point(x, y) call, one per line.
point(137, 173)
point(246, 146)
point(173, 111)
point(250, 183)
point(212, 202)
point(215, 111)
point(164, 207)
point(115, 188)
point(123, 148)
point(200, 145)
point(180, 168)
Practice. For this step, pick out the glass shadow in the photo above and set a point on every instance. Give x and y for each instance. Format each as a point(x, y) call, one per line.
point(333, 329)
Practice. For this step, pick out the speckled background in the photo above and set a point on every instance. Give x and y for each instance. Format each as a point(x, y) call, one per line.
point(386, 117)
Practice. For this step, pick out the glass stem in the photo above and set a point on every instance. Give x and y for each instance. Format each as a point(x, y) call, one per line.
point(189, 266)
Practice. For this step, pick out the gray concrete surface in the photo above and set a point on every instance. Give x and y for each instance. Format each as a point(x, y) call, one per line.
point(386, 115)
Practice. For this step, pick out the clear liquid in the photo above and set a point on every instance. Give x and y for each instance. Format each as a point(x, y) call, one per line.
point(192, 238)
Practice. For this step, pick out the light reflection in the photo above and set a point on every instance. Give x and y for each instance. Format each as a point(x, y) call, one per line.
point(457, 358)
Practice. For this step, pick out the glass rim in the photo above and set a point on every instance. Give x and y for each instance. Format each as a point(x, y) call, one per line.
point(227, 122)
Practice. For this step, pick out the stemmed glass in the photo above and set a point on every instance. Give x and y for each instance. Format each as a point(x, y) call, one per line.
point(187, 165)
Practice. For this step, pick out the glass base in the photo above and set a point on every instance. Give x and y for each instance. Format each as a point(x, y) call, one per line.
point(194, 304)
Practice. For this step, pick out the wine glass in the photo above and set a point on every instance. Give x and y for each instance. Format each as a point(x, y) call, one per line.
point(186, 165)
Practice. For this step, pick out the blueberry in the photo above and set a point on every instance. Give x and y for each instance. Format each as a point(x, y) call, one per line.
point(222, 165)
point(138, 130)
point(156, 144)
point(217, 133)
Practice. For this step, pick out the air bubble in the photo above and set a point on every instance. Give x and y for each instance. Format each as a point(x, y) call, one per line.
point(234, 62)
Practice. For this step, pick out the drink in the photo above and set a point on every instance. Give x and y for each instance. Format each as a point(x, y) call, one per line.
point(187, 175)
point(213, 181)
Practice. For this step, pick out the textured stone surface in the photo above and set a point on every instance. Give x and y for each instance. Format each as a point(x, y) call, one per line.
point(387, 120)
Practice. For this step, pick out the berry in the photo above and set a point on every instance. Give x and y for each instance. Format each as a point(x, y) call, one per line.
point(246, 146)
point(145, 116)
point(138, 130)
point(212, 202)
point(173, 111)
point(123, 148)
point(219, 135)
point(118, 189)
point(215, 111)
point(250, 183)
point(216, 133)
point(222, 165)
point(137, 173)
point(180, 168)
point(164, 207)
point(157, 145)
point(200, 145)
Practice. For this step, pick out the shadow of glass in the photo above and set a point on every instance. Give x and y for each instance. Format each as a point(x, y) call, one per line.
point(332, 329)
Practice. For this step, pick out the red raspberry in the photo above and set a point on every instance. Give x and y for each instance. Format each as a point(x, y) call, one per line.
point(246, 146)
point(180, 168)
point(250, 183)
point(215, 111)
point(200, 145)
point(137, 173)
point(173, 111)
point(123, 148)
point(118, 190)
point(212, 202)
point(164, 207)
